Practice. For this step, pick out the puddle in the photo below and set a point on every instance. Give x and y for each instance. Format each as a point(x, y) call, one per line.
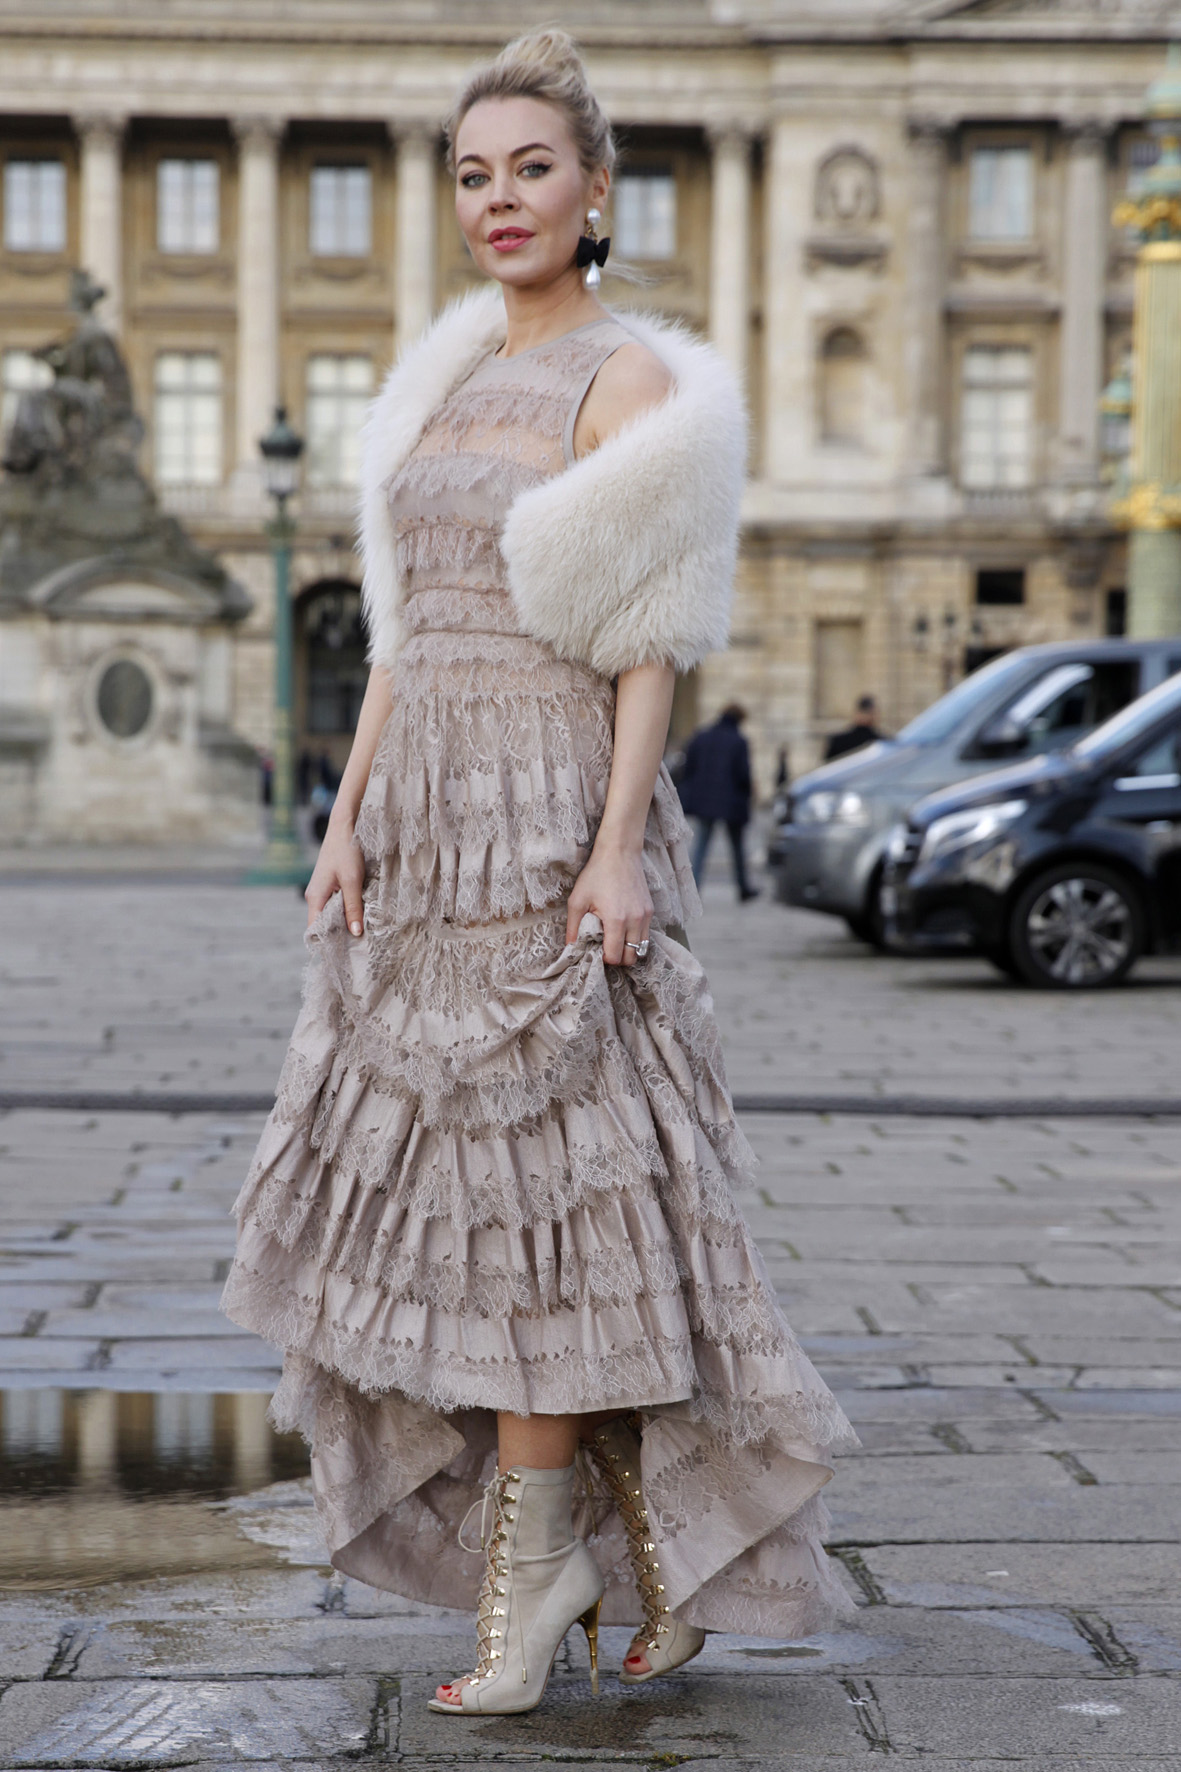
point(99, 1485)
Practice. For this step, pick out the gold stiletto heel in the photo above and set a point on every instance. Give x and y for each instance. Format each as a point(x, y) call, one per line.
point(590, 1624)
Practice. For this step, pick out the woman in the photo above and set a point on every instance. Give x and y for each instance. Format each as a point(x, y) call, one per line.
point(491, 1220)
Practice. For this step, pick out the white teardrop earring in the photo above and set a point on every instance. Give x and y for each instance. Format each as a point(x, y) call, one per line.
point(592, 252)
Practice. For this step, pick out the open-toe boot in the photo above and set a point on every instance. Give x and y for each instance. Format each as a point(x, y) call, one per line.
point(539, 1579)
point(663, 1641)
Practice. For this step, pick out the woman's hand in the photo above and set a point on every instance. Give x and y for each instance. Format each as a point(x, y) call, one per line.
point(612, 885)
point(340, 867)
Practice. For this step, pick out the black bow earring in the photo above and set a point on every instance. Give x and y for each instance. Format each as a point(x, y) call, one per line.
point(592, 252)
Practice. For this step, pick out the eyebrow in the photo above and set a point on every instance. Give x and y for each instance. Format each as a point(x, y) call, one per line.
point(527, 149)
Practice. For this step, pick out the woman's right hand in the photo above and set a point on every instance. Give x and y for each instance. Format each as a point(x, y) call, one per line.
point(340, 867)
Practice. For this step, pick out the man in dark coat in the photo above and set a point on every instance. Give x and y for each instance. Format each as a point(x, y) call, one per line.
point(715, 788)
point(863, 731)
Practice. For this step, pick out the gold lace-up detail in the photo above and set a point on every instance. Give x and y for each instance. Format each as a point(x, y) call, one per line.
point(622, 1474)
point(491, 1613)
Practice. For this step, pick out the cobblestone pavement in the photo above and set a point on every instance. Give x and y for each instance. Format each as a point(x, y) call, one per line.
point(997, 1303)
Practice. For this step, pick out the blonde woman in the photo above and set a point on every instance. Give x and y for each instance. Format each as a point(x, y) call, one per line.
point(491, 1221)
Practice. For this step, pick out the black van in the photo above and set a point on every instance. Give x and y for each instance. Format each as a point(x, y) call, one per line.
point(1063, 870)
point(828, 843)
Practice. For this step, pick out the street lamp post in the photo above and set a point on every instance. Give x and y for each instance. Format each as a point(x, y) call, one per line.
point(283, 864)
point(1149, 505)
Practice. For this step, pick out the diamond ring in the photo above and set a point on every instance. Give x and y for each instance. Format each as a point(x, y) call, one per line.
point(641, 947)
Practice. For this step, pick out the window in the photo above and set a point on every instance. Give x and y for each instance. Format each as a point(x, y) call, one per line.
point(838, 678)
point(1000, 585)
point(338, 391)
point(1143, 154)
point(645, 214)
point(996, 445)
point(186, 206)
point(340, 211)
point(842, 388)
point(35, 205)
point(1115, 613)
point(1000, 194)
point(1161, 762)
point(188, 418)
point(337, 671)
point(20, 373)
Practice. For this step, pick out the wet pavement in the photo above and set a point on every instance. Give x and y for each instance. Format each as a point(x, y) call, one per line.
point(996, 1301)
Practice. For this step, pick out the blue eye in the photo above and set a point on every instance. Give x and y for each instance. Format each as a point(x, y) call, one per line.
point(471, 180)
point(535, 168)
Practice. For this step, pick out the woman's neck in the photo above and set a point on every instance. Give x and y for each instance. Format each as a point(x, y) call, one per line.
point(534, 316)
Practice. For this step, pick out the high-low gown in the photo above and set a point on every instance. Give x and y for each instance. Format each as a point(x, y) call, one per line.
point(499, 1174)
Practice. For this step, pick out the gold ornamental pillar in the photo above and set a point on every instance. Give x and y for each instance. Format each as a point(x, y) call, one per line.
point(1151, 505)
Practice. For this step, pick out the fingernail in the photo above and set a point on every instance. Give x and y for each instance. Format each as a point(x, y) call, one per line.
point(356, 928)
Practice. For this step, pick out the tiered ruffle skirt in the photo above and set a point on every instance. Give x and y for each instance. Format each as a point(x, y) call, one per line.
point(500, 1176)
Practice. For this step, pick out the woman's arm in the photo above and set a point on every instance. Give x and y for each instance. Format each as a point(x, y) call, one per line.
point(612, 883)
point(340, 866)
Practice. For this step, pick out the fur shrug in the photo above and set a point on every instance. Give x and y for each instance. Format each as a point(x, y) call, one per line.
point(626, 557)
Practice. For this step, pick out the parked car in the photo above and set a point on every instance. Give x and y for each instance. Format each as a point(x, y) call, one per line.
point(828, 846)
point(1063, 870)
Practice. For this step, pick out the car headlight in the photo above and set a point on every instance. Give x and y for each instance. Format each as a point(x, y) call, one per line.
point(832, 806)
point(961, 830)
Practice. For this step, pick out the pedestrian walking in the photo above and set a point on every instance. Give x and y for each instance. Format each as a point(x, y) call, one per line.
point(491, 1219)
point(863, 731)
point(715, 789)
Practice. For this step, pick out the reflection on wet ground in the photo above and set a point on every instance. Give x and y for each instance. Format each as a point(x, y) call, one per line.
point(101, 1485)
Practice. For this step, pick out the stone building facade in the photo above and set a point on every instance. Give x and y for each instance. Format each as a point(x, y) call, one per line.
point(893, 216)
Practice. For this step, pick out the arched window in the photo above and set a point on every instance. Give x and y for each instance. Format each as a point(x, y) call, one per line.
point(843, 371)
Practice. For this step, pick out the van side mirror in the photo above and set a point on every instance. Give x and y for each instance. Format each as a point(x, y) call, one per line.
point(999, 737)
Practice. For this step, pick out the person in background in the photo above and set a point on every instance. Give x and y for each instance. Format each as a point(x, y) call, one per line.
point(715, 788)
point(863, 731)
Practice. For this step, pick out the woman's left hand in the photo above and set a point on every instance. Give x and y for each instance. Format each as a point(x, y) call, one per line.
point(612, 885)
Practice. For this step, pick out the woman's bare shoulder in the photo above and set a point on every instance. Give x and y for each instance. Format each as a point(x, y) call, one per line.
point(632, 380)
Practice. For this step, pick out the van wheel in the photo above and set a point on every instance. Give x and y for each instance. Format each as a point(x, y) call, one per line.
point(1079, 926)
point(870, 925)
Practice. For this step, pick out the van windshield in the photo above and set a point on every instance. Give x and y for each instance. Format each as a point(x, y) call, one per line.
point(1126, 726)
point(935, 723)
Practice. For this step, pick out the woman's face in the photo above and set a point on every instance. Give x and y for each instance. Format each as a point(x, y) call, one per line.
point(521, 193)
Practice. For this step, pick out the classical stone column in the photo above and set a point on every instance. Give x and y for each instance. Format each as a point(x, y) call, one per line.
point(729, 263)
point(257, 390)
point(414, 244)
point(786, 366)
point(101, 230)
point(1084, 272)
point(926, 274)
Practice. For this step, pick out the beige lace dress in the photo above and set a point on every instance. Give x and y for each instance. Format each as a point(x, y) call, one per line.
point(499, 1174)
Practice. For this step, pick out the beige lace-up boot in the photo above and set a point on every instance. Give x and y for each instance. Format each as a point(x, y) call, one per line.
point(539, 1579)
point(663, 1641)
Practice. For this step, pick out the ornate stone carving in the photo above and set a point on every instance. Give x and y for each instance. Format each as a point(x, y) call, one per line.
point(846, 201)
point(848, 189)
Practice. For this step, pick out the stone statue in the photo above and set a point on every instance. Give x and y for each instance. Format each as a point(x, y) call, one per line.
point(82, 426)
point(73, 489)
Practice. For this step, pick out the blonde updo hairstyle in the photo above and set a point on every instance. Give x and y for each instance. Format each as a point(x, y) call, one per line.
point(543, 64)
